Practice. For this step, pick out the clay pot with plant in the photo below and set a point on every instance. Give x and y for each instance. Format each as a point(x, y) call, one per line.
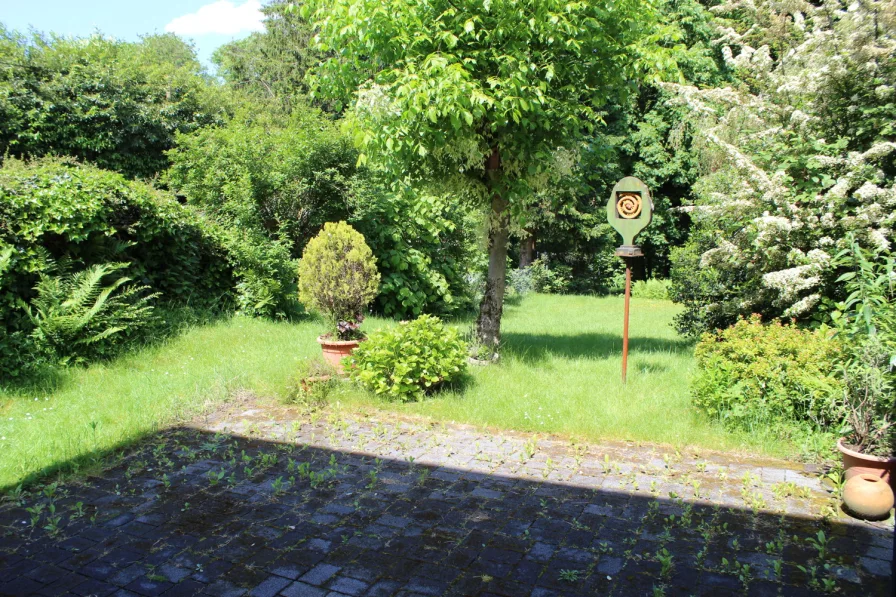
point(338, 279)
point(866, 321)
point(867, 442)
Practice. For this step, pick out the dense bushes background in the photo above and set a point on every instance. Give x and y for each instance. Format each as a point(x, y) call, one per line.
point(795, 155)
point(426, 244)
point(116, 104)
point(53, 213)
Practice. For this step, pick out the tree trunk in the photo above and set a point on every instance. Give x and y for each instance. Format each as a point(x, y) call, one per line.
point(527, 249)
point(488, 325)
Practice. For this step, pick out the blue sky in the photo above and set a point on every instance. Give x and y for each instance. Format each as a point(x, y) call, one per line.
point(208, 23)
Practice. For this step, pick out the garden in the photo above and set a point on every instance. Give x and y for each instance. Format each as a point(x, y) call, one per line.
point(344, 314)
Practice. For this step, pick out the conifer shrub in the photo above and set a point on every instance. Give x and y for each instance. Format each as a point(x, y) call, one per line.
point(338, 278)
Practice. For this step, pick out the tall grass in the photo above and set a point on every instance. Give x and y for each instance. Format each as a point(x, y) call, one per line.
point(559, 373)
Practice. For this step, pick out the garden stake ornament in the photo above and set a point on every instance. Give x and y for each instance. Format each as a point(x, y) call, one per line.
point(629, 211)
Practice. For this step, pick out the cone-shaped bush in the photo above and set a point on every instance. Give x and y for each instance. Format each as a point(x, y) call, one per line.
point(338, 277)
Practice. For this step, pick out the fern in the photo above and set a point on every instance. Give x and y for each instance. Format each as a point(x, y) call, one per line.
point(5, 260)
point(78, 316)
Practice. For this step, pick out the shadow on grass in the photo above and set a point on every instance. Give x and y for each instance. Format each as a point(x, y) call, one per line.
point(190, 511)
point(535, 348)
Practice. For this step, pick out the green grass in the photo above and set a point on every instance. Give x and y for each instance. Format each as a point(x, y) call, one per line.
point(139, 393)
point(559, 374)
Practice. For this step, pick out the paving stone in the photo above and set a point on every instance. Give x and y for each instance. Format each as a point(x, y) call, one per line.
point(270, 587)
point(319, 574)
point(609, 565)
point(541, 552)
point(300, 589)
point(394, 521)
point(143, 585)
point(20, 586)
point(289, 571)
point(127, 575)
point(187, 588)
point(383, 588)
point(94, 588)
point(348, 586)
point(874, 566)
point(223, 588)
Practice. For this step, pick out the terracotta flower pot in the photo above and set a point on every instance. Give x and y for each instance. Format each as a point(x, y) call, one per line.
point(856, 463)
point(868, 496)
point(336, 350)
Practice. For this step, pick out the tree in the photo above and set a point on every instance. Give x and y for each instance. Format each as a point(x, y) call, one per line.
point(495, 96)
point(271, 64)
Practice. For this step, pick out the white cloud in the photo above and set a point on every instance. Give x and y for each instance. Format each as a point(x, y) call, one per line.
point(222, 17)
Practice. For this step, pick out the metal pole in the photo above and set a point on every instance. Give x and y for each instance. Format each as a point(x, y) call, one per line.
point(628, 296)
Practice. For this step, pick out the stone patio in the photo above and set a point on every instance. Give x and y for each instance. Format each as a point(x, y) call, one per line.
point(262, 500)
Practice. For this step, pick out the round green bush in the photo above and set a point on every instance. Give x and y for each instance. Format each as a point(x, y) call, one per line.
point(411, 360)
point(338, 276)
point(752, 376)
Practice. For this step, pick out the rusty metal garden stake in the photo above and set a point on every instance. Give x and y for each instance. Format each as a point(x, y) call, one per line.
point(628, 297)
point(629, 211)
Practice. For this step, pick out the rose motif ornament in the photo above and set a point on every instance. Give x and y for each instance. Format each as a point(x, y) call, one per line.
point(628, 205)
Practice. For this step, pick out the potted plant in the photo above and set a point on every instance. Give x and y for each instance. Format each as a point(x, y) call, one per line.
point(338, 278)
point(866, 321)
point(867, 442)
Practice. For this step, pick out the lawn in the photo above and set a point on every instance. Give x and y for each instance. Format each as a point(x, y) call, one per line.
point(559, 374)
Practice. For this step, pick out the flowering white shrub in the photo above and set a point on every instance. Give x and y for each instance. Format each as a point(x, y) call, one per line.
point(798, 153)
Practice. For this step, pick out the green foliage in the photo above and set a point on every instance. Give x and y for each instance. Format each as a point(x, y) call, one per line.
point(794, 158)
point(79, 316)
point(411, 360)
point(651, 289)
point(338, 277)
point(282, 176)
point(114, 103)
point(550, 278)
point(866, 320)
point(752, 376)
point(424, 242)
point(265, 271)
point(313, 383)
point(495, 98)
point(647, 135)
point(271, 65)
point(270, 182)
point(869, 281)
point(520, 281)
point(55, 212)
point(440, 87)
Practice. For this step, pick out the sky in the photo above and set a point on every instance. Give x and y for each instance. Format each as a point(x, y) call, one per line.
point(208, 23)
